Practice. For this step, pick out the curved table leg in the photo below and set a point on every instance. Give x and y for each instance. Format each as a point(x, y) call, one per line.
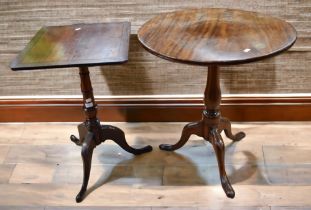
point(117, 135)
point(86, 153)
point(218, 145)
point(188, 130)
point(226, 126)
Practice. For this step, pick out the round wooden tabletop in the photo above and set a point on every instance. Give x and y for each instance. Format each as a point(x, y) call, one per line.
point(216, 36)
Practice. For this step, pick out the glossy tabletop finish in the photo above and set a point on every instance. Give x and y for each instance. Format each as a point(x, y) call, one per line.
point(75, 46)
point(215, 36)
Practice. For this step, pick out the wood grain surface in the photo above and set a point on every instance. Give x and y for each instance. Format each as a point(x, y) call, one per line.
point(75, 45)
point(215, 36)
point(265, 169)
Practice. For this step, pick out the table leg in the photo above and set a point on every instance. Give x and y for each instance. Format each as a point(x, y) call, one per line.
point(91, 133)
point(210, 127)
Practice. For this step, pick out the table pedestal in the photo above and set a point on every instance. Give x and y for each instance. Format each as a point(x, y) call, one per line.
point(210, 127)
point(91, 133)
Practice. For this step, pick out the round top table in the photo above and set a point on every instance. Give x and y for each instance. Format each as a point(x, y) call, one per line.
point(214, 37)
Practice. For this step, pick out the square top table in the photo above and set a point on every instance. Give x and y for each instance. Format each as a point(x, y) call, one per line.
point(82, 45)
point(75, 46)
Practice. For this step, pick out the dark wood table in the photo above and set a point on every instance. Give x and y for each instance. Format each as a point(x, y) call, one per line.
point(82, 45)
point(214, 37)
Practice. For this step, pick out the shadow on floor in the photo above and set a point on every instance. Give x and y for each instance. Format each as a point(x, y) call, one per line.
point(181, 168)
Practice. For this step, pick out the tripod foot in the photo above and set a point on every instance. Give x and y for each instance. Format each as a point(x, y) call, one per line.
point(75, 140)
point(227, 187)
point(82, 128)
point(189, 129)
point(226, 126)
point(80, 196)
point(117, 135)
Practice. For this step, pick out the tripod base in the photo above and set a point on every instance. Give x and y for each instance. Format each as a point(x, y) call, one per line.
point(90, 137)
point(210, 127)
point(91, 133)
point(211, 133)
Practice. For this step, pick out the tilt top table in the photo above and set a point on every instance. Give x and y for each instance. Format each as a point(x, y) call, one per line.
point(214, 37)
point(82, 45)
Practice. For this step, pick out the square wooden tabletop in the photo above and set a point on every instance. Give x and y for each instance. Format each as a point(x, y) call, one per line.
point(75, 46)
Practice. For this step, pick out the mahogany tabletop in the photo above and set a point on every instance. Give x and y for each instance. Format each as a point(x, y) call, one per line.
point(75, 46)
point(216, 36)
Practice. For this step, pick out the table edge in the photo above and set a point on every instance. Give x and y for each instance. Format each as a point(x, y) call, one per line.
point(207, 63)
point(54, 66)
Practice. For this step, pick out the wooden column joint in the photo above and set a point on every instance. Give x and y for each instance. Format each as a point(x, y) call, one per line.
point(89, 104)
